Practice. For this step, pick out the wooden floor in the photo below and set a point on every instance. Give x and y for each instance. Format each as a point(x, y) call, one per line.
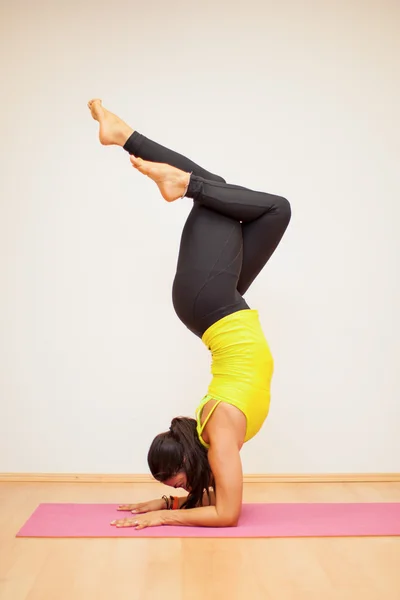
point(193, 569)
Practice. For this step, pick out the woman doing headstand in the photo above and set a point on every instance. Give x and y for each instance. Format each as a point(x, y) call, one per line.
point(229, 236)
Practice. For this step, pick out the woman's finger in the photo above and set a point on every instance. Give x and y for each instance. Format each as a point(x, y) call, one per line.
point(132, 507)
point(124, 523)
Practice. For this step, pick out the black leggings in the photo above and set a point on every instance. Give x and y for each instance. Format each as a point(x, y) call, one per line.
point(230, 234)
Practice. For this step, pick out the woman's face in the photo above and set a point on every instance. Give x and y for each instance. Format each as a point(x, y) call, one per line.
point(178, 481)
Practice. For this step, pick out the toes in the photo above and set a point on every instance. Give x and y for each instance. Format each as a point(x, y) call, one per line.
point(136, 162)
point(143, 166)
point(91, 102)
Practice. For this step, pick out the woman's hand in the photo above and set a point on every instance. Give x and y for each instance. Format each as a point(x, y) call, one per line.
point(151, 519)
point(144, 507)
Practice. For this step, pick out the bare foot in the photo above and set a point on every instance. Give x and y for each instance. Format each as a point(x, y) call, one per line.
point(113, 130)
point(172, 182)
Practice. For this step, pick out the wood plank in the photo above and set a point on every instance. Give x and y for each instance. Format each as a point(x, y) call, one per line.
point(251, 478)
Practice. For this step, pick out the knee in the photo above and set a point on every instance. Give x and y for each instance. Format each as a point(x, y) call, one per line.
point(285, 209)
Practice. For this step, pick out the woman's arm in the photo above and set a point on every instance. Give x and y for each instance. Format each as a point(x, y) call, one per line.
point(226, 466)
point(225, 463)
point(227, 470)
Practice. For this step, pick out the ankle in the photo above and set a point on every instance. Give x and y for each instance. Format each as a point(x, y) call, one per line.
point(123, 135)
point(185, 183)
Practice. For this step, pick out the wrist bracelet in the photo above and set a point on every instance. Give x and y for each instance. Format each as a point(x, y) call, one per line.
point(171, 503)
point(174, 503)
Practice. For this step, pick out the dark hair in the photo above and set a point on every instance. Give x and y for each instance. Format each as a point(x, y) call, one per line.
point(179, 449)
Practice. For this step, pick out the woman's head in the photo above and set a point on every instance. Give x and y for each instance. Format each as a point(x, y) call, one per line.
point(178, 459)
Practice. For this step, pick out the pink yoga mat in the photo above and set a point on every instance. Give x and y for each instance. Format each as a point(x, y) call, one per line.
point(256, 521)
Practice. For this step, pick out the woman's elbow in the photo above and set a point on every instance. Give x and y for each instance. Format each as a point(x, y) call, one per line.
point(229, 520)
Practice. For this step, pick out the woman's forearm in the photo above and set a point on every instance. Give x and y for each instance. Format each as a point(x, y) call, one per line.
point(203, 516)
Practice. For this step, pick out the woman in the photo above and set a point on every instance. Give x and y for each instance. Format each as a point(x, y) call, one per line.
point(229, 236)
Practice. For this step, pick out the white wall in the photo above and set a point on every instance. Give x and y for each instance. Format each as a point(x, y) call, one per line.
point(299, 99)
